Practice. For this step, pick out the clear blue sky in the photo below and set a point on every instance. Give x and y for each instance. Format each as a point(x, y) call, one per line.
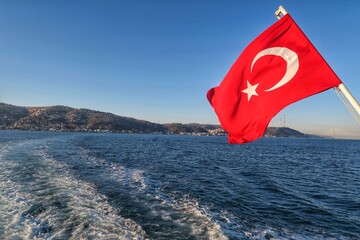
point(155, 60)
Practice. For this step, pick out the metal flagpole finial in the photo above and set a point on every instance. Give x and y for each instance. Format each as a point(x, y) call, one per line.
point(280, 12)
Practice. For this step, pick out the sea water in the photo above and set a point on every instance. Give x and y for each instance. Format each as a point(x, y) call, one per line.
point(118, 186)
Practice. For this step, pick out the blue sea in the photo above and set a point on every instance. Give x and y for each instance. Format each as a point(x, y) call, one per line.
point(119, 186)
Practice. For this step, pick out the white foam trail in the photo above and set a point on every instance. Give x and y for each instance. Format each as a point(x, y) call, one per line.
point(192, 215)
point(55, 204)
point(200, 220)
point(132, 177)
point(12, 200)
point(89, 213)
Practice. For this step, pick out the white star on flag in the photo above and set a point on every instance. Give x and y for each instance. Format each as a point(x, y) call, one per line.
point(250, 90)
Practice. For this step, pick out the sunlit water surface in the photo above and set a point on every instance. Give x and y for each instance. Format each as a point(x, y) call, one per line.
point(113, 186)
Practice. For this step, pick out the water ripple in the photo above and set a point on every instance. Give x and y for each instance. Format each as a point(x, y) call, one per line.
point(81, 186)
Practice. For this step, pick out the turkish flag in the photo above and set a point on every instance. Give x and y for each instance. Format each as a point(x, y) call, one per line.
point(280, 67)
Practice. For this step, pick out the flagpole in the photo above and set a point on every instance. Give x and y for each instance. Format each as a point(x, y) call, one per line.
point(349, 101)
point(344, 94)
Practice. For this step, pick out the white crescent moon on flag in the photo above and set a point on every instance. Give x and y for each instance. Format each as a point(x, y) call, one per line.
point(292, 63)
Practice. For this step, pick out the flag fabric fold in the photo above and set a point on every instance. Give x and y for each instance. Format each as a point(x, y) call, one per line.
point(279, 67)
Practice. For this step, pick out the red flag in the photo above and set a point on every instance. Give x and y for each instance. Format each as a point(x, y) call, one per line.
point(278, 68)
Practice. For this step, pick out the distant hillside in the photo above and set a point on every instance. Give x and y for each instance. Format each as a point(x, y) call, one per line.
point(9, 114)
point(62, 118)
point(285, 132)
point(179, 128)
